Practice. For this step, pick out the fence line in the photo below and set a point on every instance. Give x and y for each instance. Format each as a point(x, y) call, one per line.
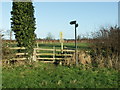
point(43, 49)
point(56, 54)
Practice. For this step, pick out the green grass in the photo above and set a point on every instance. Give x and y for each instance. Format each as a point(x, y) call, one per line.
point(41, 75)
point(58, 45)
point(68, 45)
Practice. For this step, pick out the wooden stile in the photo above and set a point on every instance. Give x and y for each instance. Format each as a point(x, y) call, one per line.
point(37, 55)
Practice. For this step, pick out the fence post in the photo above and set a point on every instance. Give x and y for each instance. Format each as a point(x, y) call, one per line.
point(54, 53)
point(34, 55)
point(61, 41)
point(37, 45)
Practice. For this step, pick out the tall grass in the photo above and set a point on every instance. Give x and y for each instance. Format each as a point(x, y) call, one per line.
point(40, 75)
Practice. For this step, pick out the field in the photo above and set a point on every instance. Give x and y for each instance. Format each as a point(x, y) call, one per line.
point(41, 75)
point(58, 45)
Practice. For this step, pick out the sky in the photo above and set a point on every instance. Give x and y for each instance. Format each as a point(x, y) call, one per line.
point(54, 17)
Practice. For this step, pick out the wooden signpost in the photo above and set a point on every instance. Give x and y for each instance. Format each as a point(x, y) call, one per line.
point(61, 41)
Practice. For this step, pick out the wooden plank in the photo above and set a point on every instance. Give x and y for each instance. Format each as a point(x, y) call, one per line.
point(44, 49)
point(47, 54)
point(53, 50)
point(65, 50)
point(47, 61)
point(21, 53)
point(54, 53)
point(17, 48)
point(50, 54)
point(18, 58)
point(49, 58)
point(67, 55)
point(34, 55)
point(69, 50)
point(45, 58)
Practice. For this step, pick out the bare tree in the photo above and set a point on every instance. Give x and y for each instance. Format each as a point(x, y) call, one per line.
point(78, 37)
point(49, 36)
point(2, 33)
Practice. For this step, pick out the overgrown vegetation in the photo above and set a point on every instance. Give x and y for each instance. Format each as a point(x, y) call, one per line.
point(7, 54)
point(105, 48)
point(40, 75)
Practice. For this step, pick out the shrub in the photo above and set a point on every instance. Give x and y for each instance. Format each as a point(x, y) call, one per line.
point(105, 49)
point(7, 54)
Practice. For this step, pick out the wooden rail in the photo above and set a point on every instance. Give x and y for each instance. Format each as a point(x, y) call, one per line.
point(37, 54)
point(16, 48)
point(43, 49)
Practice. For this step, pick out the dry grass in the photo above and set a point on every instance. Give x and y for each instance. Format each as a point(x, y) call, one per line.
point(83, 58)
point(89, 60)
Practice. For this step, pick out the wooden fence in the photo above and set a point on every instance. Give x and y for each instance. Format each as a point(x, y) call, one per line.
point(55, 41)
point(49, 55)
